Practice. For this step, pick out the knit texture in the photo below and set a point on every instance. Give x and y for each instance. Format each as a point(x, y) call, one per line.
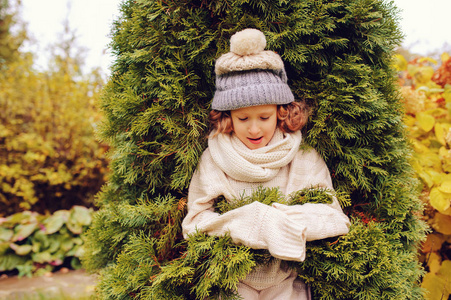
point(249, 75)
point(247, 52)
point(247, 41)
point(280, 230)
point(231, 62)
point(263, 164)
point(289, 288)
point(250, 88)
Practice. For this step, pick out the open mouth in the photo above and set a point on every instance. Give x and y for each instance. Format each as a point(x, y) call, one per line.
point(255, 141)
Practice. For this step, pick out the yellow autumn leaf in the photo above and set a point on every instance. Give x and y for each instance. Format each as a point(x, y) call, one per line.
point(426, 178)
point(409, 120)
point(440, 133)
point(444, 153)
point(429, 160)
point(427, 59)
point(425, 121)
point(400, 63)
point(446, 164)
point(444, 57)
point(442, 223)
point(421, 74)
point(445, 273)
point(438, 200)
point(435, 287)
point(447, 93)
point(445, 187)
point(436, 177)
point(446, 177)
point(433, 243)
point(419, 147)
point(447, 212)
point(446, 125)
point(434, 262)
point(437, 112)
point(423, 175)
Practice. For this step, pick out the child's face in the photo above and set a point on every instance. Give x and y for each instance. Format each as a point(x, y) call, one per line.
point(255, 125)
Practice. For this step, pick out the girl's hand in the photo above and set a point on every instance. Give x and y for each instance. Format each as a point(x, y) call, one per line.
point(321, 220)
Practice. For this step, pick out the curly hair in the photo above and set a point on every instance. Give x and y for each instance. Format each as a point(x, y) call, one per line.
point(290, 118)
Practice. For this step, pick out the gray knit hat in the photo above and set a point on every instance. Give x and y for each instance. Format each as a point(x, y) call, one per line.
point(248, 75)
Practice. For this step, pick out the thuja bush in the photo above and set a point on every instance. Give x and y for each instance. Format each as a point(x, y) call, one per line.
point(427, 97)
point(338, 55)
point(49, 156)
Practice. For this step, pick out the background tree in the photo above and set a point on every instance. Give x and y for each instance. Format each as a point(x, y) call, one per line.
point(9, 41)
point(49, 157)
point(50, 160)
point(338, 56)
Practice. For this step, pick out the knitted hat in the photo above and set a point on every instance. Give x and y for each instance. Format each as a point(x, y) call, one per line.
point(248, 75)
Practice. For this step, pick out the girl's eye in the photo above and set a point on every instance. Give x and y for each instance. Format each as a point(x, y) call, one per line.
point(242, 119)
point(264, 118)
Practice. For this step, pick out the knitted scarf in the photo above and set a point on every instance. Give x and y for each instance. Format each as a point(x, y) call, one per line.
point(258, 165)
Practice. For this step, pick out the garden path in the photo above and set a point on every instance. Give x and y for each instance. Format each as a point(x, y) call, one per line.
point(73, 284)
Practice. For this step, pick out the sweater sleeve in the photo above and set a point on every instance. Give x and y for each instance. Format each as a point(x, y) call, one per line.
point(321, 220)
point(255, 225)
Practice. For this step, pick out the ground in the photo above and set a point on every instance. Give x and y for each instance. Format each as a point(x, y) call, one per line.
point(73, 284)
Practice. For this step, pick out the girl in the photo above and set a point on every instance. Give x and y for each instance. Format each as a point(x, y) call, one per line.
point(255, 143)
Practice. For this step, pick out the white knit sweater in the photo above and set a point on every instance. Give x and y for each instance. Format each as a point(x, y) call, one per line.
point(229, 168)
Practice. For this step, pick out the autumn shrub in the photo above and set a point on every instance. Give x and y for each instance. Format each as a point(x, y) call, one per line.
point(426, 92)
point(12, 34)
point(49, 156)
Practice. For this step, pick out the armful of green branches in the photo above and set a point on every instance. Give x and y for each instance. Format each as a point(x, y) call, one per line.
point(271, 195)
point(212, 266)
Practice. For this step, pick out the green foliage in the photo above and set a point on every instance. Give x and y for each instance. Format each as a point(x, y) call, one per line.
point(197, 272)
point(357, 265)
point(338, 56)
point(364, 264)
point(159, 219)
point(211, 265)
point(427, 98)
point(274, 195)
point(32, 243)
point(49, 157)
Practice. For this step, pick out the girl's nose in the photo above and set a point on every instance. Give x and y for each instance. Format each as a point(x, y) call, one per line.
point(254, 129)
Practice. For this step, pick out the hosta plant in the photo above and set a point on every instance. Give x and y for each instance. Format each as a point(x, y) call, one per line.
point(32, 243)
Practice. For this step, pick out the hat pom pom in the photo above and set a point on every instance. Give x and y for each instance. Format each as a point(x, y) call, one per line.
point(248, 41)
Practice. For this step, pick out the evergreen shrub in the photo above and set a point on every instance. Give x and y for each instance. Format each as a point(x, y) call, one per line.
point(49, 156)
point(338, 55)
